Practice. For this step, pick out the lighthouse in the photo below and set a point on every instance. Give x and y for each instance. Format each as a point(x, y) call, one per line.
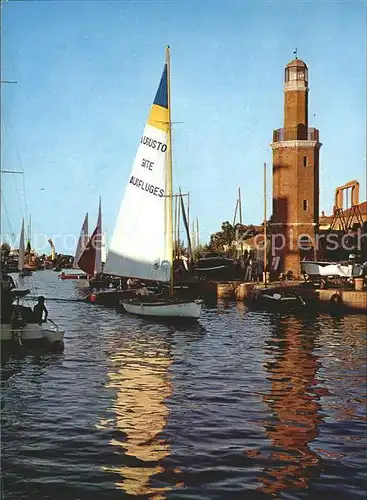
point(295, 219)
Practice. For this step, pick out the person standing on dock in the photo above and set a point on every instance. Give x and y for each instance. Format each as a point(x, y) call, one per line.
point(248, 274)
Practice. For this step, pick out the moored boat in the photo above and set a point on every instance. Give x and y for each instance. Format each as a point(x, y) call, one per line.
point(109, 296)
point(165, 308)
point(19, 327)
point(47, 332)
point(24, 270)
point(73, 276)
point(331, 269)
point(277, 300)
point(215, 266)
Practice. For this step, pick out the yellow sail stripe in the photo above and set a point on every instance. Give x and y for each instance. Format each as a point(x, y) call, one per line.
point(159, 117)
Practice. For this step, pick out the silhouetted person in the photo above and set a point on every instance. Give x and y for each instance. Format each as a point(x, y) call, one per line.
point(7, 282)
point(17, 320)
point(38, 311)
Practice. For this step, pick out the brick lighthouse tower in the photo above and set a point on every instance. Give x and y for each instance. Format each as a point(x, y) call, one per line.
point(295, 176)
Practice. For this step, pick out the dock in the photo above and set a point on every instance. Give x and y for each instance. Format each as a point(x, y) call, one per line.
point(354, 301)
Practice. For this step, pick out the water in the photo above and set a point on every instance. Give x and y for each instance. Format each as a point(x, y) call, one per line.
point(243, 405)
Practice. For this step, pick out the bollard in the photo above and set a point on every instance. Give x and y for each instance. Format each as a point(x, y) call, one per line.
point(244, 290)
point(358, 284)
point(225, 291)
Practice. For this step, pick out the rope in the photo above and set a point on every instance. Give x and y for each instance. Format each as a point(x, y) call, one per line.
point(12, 234)
point(56, 299)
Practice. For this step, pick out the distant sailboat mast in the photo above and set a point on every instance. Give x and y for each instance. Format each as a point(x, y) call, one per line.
point(53, 251)
point(98, 242)
point(21, 249)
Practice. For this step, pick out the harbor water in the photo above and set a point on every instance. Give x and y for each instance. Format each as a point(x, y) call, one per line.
point(243, 404)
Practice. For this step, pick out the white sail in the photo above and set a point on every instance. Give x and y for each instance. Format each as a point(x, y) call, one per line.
point(140, 246)
point(104, 247)
point(21, 249)
point(98, 242)
point(82, 242)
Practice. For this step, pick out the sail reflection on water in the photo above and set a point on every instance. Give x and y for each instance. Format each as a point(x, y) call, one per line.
point(139, 375)
point(293, 402)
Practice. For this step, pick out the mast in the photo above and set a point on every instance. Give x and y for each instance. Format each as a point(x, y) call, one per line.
point(178, 228)
point(169, 169)
point(240, 204)
point(188, 209)
point(235, 213)
point(175, 211)
point(21, 249)
point(265, 235)
point(197, 231)
point(240, 210)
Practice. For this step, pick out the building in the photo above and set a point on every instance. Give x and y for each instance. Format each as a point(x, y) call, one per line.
point(295, 219)
point(348, 212)
point(345, 216)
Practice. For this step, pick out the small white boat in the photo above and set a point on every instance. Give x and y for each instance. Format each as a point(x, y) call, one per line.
point(48, 332)
point(332, 269)
point(164, 309)
point(277, 301)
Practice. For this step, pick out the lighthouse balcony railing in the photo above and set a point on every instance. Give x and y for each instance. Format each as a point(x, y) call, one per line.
point(299, 133)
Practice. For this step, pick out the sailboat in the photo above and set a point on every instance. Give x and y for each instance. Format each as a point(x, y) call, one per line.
point(82, 242)
point(81, 246)
point(29, 255)
point(142, 243)
point(90, 260)
point(22, 271)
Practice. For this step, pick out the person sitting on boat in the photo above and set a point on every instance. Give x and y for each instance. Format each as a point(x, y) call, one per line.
point(352, 258)
point(17, 320)
point(38, 311)
point(131, 283)
point(143, 290)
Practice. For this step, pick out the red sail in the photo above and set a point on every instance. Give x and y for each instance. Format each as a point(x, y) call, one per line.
point(88, 258)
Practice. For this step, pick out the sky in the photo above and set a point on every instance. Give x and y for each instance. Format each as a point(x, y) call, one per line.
point(87, 73)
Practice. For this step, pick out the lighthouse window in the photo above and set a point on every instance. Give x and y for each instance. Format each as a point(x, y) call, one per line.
point(305, 205)
point(305, 161)
point(301, 74)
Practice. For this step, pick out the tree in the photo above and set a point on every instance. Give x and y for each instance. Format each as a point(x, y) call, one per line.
point(199, 251)
point(227, 239)
point(223, 241)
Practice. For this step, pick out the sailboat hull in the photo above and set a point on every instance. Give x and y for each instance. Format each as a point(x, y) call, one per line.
point(160, 309)
point(73, 276)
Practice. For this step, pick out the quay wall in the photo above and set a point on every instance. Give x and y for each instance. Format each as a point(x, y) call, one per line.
point(324, 299)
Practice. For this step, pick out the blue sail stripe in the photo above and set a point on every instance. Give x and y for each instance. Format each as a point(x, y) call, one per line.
point(161, 97)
